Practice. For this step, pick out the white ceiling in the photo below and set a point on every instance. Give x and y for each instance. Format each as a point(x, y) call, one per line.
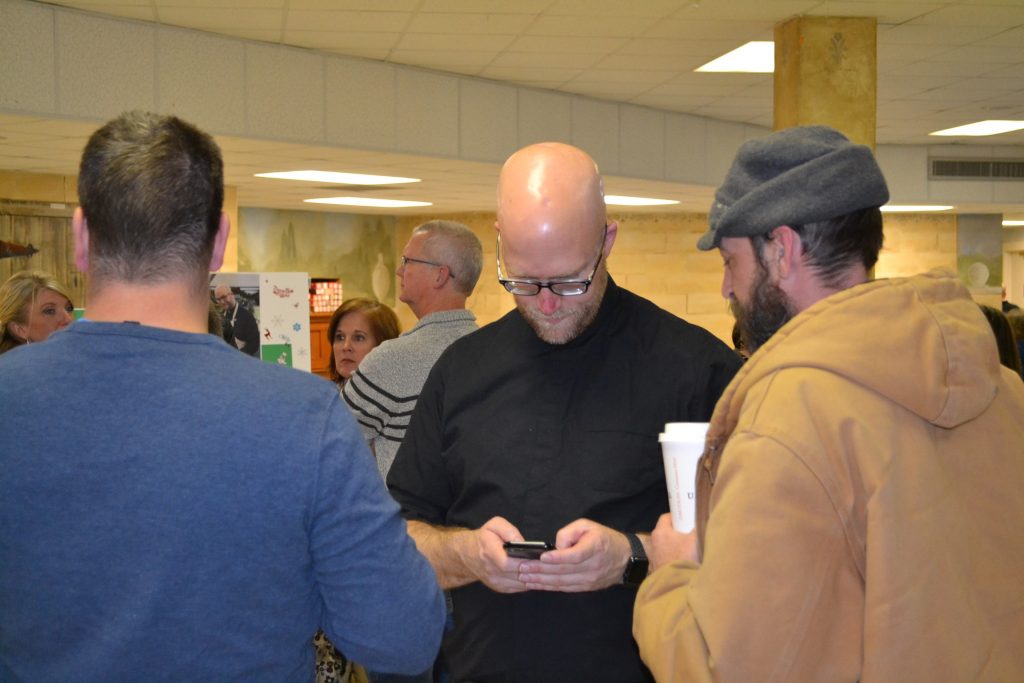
point(941, 63)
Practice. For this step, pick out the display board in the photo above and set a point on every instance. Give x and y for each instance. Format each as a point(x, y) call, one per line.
point(279, 303)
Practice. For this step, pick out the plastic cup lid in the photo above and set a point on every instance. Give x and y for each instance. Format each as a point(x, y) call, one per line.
point(684, 431)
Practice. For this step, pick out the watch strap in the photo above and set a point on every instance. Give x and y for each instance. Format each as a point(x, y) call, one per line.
point(636, 567)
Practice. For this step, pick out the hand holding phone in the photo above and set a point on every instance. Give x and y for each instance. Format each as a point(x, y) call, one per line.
point(527, 550)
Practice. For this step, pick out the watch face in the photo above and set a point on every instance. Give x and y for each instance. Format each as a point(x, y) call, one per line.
point(636, 572)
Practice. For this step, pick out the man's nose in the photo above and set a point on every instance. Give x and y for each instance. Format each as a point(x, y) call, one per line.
point(549, 303)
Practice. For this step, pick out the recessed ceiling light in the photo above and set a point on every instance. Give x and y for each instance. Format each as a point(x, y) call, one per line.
point(367, 201)
point(756, 57)
point(1012, 224)
point(338, 178)
point(980, 128)
point(911, 208)
point(622, 200)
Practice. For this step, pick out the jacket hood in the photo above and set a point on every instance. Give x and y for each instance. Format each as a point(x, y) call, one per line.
point(921, 342)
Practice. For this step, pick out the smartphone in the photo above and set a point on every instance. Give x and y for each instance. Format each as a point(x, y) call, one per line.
point(527, 550)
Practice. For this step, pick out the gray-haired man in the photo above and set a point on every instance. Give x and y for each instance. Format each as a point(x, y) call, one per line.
point(439, 268)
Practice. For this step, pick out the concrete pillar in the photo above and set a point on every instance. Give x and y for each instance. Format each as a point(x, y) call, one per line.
point(825, 73)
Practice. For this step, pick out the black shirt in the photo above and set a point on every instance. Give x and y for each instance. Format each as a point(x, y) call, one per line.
point(543, 435)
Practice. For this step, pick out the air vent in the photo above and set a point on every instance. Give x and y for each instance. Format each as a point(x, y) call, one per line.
point(977, 169)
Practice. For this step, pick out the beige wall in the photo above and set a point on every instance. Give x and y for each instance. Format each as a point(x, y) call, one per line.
point(655, 256)
point(38, 187)
point(917, 242)
point(44, 187)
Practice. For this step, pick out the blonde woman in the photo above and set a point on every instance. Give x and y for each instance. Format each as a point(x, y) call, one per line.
point(33, 305)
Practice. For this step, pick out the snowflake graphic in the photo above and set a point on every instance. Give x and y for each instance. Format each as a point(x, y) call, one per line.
point(277, 321)
point(296, 327)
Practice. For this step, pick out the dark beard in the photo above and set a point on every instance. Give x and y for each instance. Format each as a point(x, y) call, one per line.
point(768, 311)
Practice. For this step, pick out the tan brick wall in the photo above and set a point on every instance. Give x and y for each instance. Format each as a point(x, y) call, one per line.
point(45, 187)
point(38, 187)
point(656, 256)
point(489, 301)
point(915, 243)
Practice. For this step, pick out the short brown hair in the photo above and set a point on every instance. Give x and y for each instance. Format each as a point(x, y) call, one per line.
point(151, 189)
point(383, 322)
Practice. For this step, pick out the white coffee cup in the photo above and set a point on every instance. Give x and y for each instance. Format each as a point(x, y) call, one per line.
point(682, 444)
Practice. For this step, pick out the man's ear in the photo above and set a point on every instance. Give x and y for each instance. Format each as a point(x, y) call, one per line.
point(444, 273)
point(788, 252)
point(609, 238)
point(81, 232)
point(220, 243)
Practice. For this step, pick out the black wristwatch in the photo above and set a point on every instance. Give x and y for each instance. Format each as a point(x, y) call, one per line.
point(636, 568)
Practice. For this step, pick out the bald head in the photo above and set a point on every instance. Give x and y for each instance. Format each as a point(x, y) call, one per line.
point(552, 226)
point(223, 296)
point(549, 193)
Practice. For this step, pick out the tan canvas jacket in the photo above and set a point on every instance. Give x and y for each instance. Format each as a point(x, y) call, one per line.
point(860, 505)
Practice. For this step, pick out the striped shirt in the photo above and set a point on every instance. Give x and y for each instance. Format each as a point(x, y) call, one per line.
point(383, 391)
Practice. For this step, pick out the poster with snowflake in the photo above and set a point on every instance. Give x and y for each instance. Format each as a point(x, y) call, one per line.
point(284, 304)
point(278, 305)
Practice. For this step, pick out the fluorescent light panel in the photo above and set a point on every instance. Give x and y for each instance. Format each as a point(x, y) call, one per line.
point(982, 128)
point(909, 208)
point(623, 200)
point(756, 57)
point(367, 201)
point(338, 178)
point(1013, 224)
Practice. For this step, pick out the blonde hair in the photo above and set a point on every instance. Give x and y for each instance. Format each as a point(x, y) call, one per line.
point(17, 296)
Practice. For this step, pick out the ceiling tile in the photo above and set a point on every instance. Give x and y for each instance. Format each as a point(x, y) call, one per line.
point(349, 22)
point(587, 26)
point(341, 40)
point(919, 34)
point(546, 61)
point(354, 5)
point(216, 18)
point(487, 6)
point(531, 74)
point(940, 62)
point(564, 44)
point(453, 43)
point(470, 24)
point(976, 15)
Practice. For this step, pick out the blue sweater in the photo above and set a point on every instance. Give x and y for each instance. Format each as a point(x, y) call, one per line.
point(171, 509)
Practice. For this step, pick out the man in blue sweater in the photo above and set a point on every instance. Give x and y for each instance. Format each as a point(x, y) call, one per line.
point(143, 538)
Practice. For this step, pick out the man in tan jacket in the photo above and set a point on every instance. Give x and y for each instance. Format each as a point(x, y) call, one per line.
point(861, 496)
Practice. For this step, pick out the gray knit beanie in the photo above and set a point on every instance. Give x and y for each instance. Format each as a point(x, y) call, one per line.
point(795, 176)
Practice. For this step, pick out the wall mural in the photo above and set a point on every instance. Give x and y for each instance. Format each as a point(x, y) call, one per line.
point(357, 249)
point(979, 243)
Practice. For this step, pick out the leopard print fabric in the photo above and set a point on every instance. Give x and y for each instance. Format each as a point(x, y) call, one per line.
point(332, 666)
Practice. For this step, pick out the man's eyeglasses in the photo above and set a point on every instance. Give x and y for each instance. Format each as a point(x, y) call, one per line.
point(406, 260)
point(528, 287)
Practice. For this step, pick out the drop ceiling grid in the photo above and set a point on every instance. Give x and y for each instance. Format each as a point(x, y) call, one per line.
point(941, 62)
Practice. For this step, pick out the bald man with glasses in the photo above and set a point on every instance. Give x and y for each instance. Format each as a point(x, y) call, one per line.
point(543, 426)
